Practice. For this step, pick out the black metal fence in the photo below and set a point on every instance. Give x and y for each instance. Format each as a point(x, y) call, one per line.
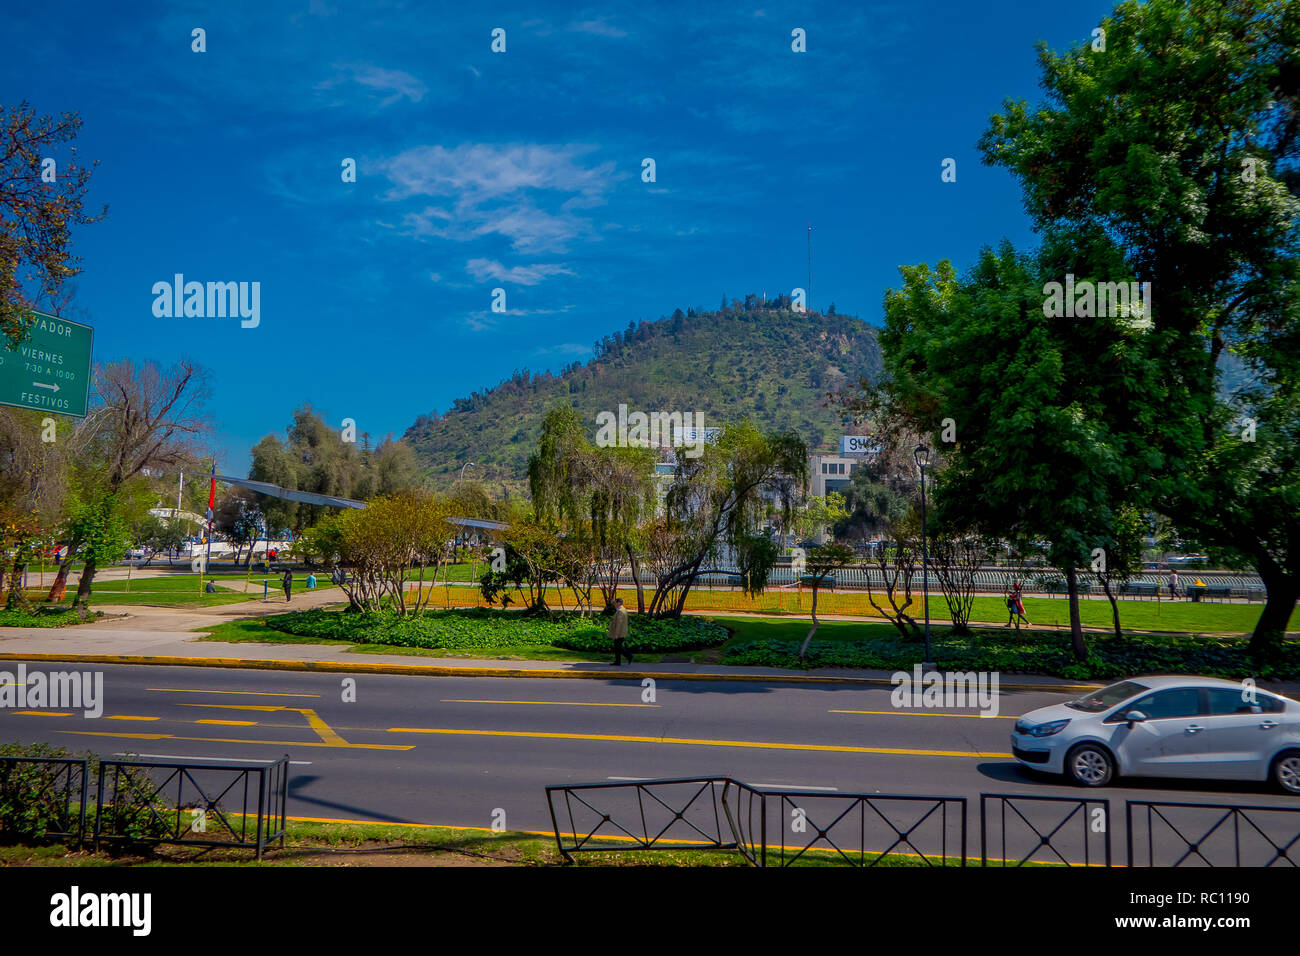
point(1020, 829)
point(788, 827)
point(44, 797)
point(234, 805)
point(670, 814)
point(769, 827)
point(1208, 834)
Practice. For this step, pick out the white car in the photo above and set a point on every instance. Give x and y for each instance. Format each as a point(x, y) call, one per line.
point(1196, 727)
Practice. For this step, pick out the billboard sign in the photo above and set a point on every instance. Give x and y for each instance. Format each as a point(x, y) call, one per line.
point(858, 445)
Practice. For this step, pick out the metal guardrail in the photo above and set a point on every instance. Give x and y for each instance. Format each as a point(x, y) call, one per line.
point(1208, 834)
point(670, 814)
point(166, 802)
point(1068, 828)
point(769, 827)
point(858, 829)
point(60, 790)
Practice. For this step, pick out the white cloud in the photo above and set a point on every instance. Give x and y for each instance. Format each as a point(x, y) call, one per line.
point(397, 83)
point(597, 28)
point(484, 269)
point(488, 189)
point(564, 348)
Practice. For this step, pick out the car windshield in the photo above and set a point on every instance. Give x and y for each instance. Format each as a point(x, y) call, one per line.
point(1106, 697)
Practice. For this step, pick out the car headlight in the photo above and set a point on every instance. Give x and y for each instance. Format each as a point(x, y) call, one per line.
point(1048, 729)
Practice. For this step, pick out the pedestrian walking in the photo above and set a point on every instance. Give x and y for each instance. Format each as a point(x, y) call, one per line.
point(1016, 607)
point(1173, 583)
point(618, 633)
point(287, 583)
point(311, 581)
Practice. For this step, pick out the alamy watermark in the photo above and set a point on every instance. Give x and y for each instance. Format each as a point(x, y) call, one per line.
point(59, 690)
point(213, 300)
point(933, 689)
point(1088, 299)
point(652, 430)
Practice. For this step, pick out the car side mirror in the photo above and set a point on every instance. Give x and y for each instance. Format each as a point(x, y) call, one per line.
point(1135, 717)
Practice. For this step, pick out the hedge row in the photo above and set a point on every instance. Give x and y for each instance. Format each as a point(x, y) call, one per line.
point(485, 628)
point(1108, 659)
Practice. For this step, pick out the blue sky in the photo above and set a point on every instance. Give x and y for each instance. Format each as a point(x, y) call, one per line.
point(519, 170)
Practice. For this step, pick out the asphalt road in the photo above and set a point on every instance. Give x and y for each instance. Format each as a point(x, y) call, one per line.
point(457, 751)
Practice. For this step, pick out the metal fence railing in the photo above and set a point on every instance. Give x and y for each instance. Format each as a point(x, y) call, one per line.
point(1020, 829)
point(670, 814)
point(785, 827)
point(1208, 834)
point(233, 805)
point(769, 827)
point(44, 797)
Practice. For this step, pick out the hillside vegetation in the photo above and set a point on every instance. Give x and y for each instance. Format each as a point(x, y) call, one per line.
point(758, 359)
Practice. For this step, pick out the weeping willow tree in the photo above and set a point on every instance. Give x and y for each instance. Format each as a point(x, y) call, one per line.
point(715, 507)
point(599, 499)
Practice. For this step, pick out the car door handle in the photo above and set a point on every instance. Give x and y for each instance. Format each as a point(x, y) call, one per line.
point(1194, 728)
point(1268, 725)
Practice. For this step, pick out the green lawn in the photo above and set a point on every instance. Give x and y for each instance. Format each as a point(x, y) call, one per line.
point(376, 844)
point(182, 590)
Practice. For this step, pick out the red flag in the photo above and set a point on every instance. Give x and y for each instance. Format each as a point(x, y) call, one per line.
point(212, 491)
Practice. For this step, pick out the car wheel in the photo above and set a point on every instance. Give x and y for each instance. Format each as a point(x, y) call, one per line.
point(1090, 765)
point(1286, 771)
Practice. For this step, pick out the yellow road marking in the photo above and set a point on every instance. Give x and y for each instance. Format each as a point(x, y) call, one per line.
point(251, 693)
point(920, 713)
point(265, 708)
point(761, 745)
point(42, 713)
point(323, 730)
point(233, 740)
point(125, 717)
point(229, 723)
point(551, 703)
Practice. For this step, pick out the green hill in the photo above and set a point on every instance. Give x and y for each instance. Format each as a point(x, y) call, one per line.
point(757, 359)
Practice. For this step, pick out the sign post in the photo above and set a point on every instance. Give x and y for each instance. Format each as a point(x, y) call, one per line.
point(51, 370)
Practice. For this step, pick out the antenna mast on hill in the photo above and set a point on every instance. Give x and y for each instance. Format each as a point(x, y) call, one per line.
point(810, 266)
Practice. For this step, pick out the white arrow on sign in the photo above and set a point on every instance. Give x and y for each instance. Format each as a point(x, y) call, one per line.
point(52, 388)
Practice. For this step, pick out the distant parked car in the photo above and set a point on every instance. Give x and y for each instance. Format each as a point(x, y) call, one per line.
point(1197, 727)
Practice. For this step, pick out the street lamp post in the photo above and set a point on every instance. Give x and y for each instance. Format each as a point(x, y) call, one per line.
point(922, 456)
point(462, 470)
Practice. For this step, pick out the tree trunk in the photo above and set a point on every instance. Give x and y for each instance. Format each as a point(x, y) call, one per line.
point(87, 579)
point(1282, 591)
point(808, 640)
point(636, 579)
point(17, 597)
point(1114, 604)
point(60, 585)
point(1076, 627)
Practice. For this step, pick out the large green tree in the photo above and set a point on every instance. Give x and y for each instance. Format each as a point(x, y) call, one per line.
point(1173, 155)
point(1034, 459)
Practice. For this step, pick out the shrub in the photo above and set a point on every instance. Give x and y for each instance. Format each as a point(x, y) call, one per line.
point(38, 798)
point(486, 629)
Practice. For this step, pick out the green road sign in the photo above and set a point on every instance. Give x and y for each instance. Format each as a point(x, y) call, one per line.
point(51, 370)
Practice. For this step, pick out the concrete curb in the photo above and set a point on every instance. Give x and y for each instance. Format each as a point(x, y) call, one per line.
point(435, 670)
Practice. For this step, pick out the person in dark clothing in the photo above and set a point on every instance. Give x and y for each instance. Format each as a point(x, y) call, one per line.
point(618, 633)
point(287, 584)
